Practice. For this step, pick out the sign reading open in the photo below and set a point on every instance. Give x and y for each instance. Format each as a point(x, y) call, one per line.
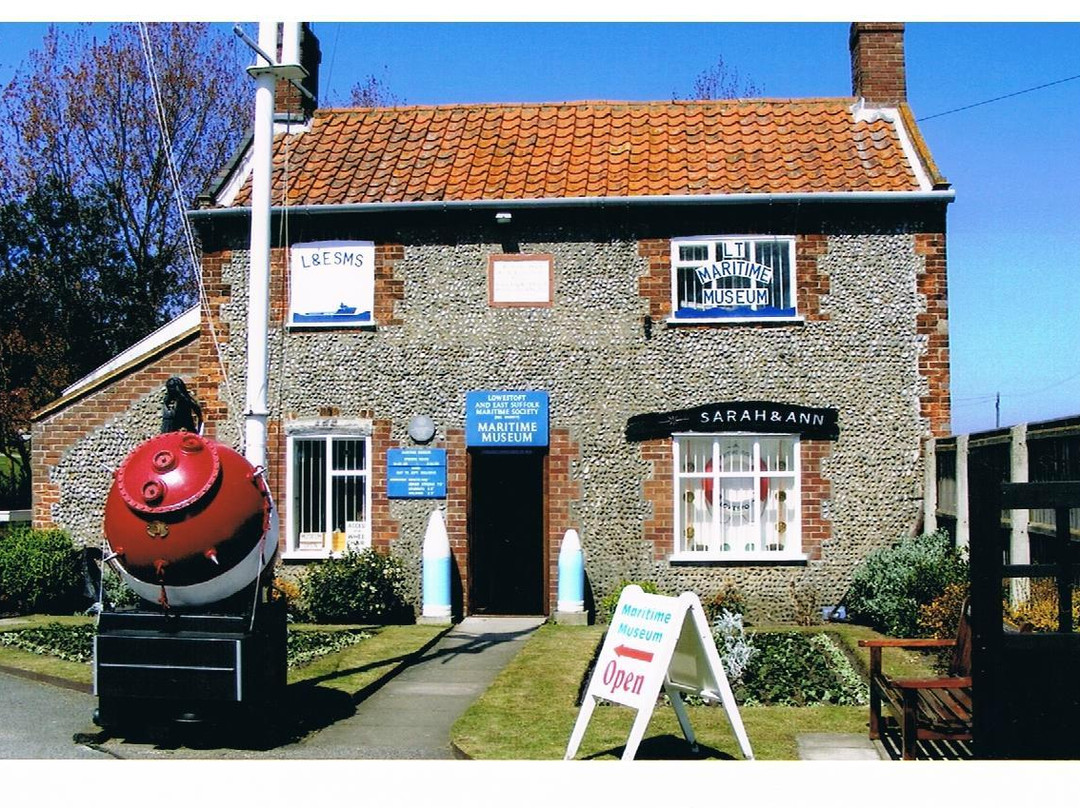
point(657, 643)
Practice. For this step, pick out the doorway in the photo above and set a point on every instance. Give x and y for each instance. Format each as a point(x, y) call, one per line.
point(506, 532)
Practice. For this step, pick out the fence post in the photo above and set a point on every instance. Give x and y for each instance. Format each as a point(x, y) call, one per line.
point(963, 520)
point(930, 486)
point(1019, 540)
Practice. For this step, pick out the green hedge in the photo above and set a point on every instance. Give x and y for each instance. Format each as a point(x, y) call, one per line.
point(40, 572)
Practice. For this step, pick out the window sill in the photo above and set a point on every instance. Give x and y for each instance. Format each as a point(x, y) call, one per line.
point(680, 322)
point(762, 560)
point(310, 555)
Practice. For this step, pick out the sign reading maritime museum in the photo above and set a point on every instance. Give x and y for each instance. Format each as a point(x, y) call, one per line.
point(813, 423)
point(507, 419)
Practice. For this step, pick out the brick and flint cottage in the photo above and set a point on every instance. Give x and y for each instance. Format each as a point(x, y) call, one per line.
point(710, 336)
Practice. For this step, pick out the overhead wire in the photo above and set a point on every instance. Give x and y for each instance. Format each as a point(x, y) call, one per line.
point(178, 197)
point(998, 98)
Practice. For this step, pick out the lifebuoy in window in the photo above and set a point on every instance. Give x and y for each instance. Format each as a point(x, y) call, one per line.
point(736, 501)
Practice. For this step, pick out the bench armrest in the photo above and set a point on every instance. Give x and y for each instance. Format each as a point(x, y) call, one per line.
point(912, 643)
point(945, 683)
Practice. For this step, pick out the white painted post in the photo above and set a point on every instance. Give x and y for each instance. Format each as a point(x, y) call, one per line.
point(1019, 539)
point(930, 486)
point(435, 572)
point(571, 604)
point(963, 523)
point(258, 314)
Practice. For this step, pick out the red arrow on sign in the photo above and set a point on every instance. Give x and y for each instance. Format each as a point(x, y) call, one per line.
point(633, 653)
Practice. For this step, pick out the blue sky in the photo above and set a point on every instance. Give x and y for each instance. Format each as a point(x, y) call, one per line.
point(1013, 231)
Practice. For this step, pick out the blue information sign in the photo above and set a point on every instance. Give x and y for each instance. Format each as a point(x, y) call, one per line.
point(416, 473)
point(507, 419)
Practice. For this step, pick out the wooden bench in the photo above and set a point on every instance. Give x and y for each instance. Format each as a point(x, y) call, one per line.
point(925, 709)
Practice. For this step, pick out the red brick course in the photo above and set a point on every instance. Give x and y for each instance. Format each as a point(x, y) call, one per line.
point(933, 325)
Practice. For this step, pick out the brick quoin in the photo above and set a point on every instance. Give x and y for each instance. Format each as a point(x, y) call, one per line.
point(210, 381)
point(55, 434)
point(562, 493)
point(932, 325)
point(457, 510)
point(815, 489)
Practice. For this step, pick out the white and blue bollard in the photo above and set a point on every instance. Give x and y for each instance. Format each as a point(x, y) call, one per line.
point(571, 605)
point(435, 572)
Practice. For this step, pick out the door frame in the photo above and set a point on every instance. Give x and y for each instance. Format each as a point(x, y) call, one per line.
point(545, 562)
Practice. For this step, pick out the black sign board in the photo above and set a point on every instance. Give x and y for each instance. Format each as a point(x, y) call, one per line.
point(813, 423)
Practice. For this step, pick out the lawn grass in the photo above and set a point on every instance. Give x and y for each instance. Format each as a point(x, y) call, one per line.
point(76, 673)
point(356, 668)
point(351, 670)
point(529, 712)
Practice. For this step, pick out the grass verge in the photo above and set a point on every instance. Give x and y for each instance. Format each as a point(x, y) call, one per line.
point(352, 670)
point(528, 713)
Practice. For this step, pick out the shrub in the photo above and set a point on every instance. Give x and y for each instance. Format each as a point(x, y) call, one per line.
point(117, 594)
point(289, 589)
point(1040, 610)
point(728, 599)
point(606, 607)
point(40, 571)
point(940, 618)
point(735, 648)
point(891, 583)
point(798, 670)
point(359, 587)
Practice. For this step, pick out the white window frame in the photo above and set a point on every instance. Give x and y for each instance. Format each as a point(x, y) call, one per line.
point(792, 549)
point(292, 542)
point(746, 314)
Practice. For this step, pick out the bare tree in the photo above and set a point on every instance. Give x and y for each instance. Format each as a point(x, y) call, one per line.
point(722, 81)
point(373, 91)
point(84, 112)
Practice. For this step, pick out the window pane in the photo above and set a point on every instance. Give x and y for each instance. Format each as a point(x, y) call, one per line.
point(694, 252)
point(696, 515)
point(778, 514)
point(348, 454)
point(696, 456)
point(777, 455)
point(348, 501)
point(309, 487)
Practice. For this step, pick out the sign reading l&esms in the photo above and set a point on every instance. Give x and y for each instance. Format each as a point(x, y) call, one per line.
point(506, 419)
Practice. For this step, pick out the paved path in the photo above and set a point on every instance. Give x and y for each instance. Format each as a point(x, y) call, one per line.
point(37, 720)
point(837, 746)
point(408, 718)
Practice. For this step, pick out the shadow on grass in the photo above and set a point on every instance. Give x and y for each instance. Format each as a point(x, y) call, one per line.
point(307, 706)
point(665, 747)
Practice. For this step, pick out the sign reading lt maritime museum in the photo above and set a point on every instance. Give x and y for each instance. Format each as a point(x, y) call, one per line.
point(506, 419)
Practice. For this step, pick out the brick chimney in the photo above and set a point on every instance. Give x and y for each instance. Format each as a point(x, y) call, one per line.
point(877, 62)
point(289, 103)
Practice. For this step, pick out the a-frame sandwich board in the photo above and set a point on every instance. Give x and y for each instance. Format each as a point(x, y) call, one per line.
point(657, 643)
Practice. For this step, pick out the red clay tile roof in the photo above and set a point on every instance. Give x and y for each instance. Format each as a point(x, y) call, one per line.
point(587, 149)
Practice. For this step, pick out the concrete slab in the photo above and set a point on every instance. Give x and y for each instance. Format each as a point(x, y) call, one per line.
point(836, 746)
